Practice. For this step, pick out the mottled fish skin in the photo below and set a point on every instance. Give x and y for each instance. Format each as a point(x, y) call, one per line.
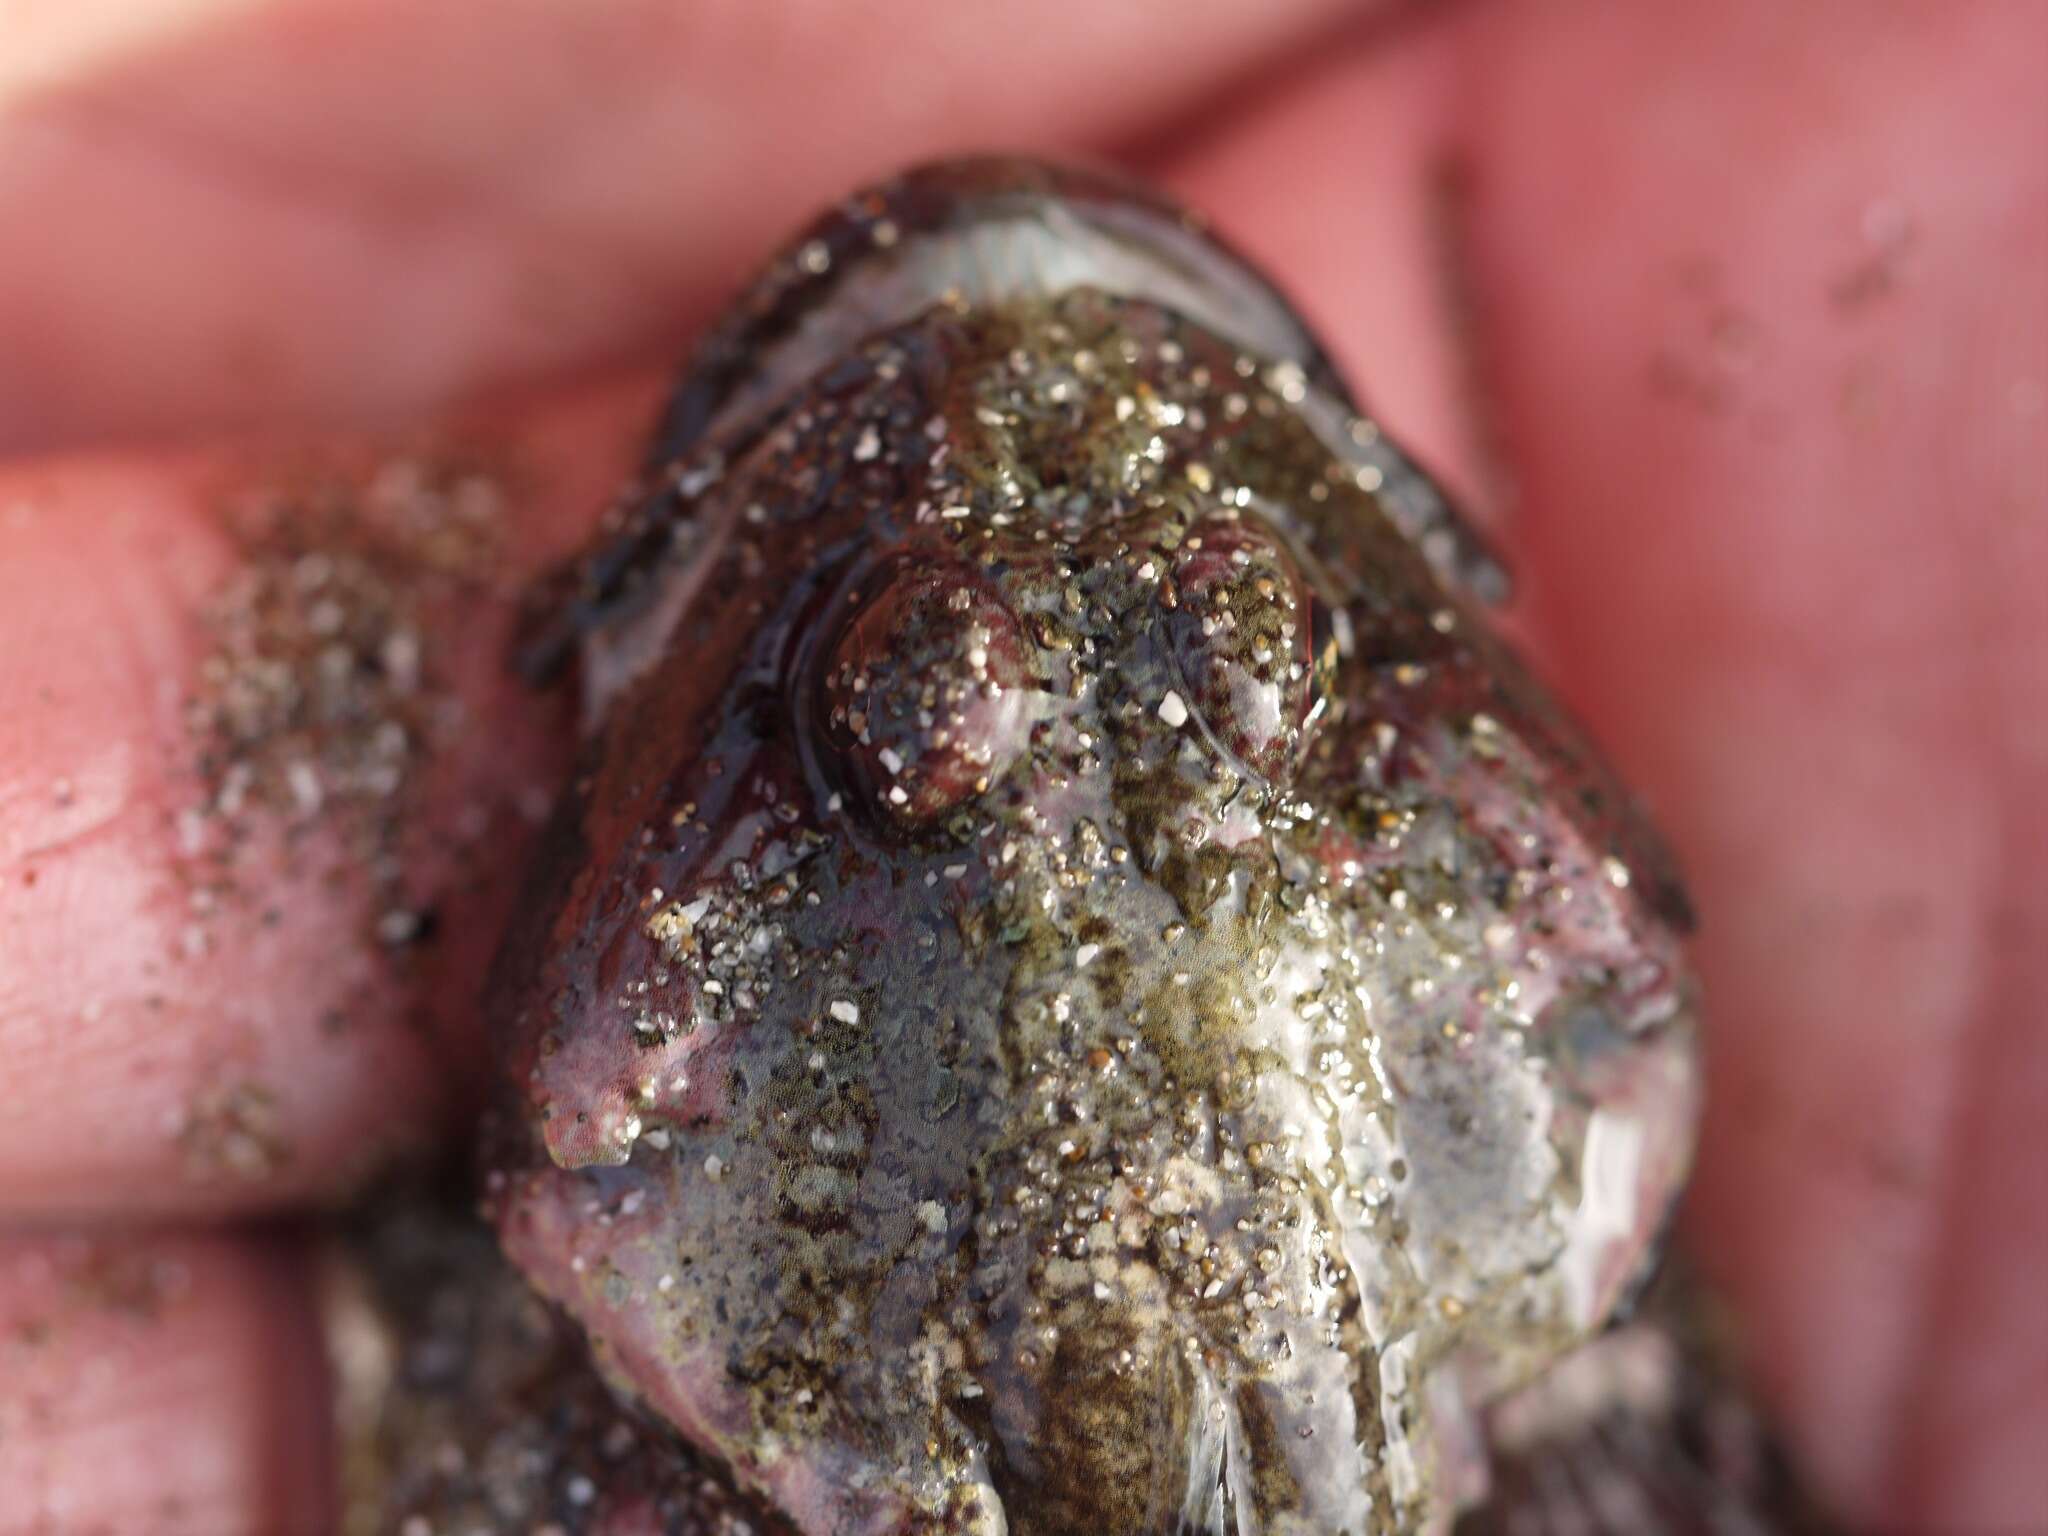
point(466, 1405)
point(1077, 988)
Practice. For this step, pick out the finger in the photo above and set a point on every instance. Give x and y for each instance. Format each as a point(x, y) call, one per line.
point(264, 792)
point(276, 212)
point(1766, 331)
point(170, 1385)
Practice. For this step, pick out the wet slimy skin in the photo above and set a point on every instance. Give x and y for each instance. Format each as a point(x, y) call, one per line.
point(1077, 988)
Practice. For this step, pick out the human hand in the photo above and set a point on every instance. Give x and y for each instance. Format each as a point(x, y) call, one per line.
point(1732, 326)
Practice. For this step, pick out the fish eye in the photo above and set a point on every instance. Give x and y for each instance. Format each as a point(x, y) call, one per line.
point(1253, 644)
point(923, 692)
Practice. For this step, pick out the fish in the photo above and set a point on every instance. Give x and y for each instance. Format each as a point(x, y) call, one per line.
point(1078, 984)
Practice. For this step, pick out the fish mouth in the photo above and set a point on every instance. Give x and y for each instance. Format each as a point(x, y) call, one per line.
point(979, 230)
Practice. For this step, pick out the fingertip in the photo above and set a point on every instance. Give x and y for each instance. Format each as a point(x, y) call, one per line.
point(264, 797)
point(168, 1384)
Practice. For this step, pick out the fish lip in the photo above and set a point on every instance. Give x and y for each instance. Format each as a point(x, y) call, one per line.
point(949, 218)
